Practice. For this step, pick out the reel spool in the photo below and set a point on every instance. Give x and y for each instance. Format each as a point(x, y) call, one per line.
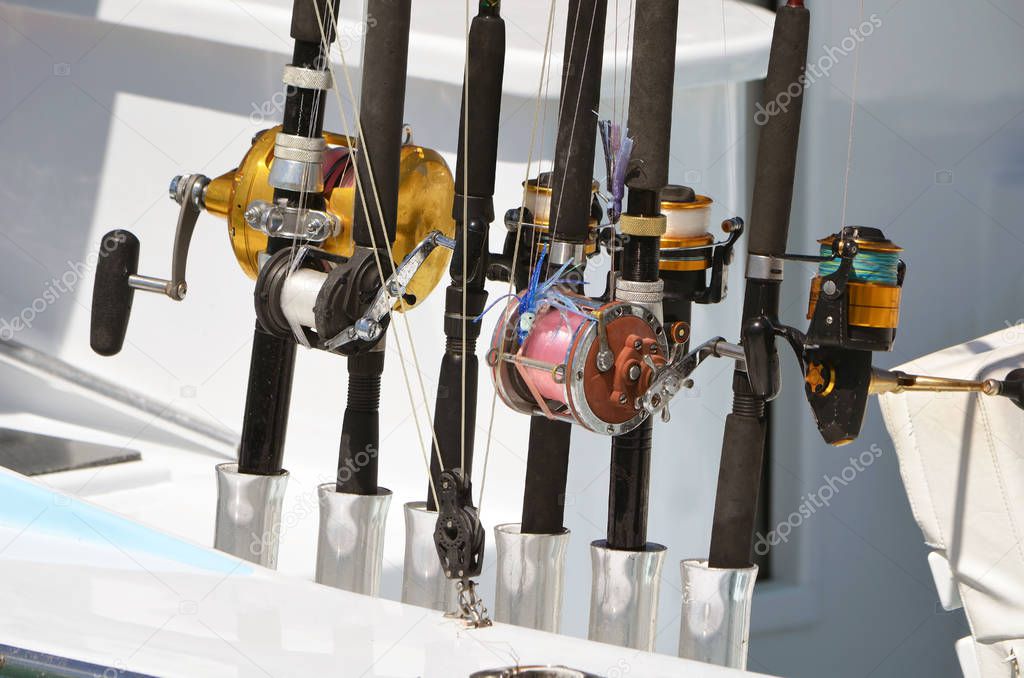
point(589, 367)
point(425, 193)
point(855, 298)
point(687, 222)
point(688, 250)
point(537, 202)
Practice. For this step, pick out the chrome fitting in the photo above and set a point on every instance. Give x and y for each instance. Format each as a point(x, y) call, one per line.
point(531, 577)
point(283, 221)
point(350, 550)
point(298, 163)
point(560, 252)
point(307, 78)
point(764, 267)
point(423, 581)
point(649, 295)
point(294, 175)
point(715, 625)
point(624, 595)
point(248, 523)
point(198, 196)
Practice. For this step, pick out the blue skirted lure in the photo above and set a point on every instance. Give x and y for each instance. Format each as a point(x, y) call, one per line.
point(618, 148)
point(537, 295)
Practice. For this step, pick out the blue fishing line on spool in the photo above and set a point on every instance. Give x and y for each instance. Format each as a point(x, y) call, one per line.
point(868, 267)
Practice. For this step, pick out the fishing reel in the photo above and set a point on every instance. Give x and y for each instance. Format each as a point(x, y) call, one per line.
point(528, 227)
point(853, 311)
point(593, 361)
point(688, 252)
point(324, 253)
point(577, 359)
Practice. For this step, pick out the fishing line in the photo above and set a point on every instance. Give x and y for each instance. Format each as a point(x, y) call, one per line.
point(465, 243)
point(853, 113)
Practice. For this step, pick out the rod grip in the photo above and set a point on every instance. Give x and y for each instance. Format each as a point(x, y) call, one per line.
point(650, 93)
point(111, 295)
point(779, 117)
point(448, 413)
point(485, 73)
point(739, 480)
point(306, 27)
point(381, 111)
point(573, 174)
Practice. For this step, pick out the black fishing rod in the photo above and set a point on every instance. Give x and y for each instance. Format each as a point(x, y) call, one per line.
point(650, 127)
point(572, 179)
point(272, 365)
point(381, 119)
point(473, 211)
point(743, 444)
point(458, 536)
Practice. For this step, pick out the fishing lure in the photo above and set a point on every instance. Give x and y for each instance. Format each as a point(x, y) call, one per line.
point(618, 148)
point(538, 295)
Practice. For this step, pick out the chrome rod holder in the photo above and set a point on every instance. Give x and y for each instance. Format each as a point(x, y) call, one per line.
point(248, 523)
point(350, 548)
point(624, 595)
point(531, 577)
point(423, 580)
point(715, 624)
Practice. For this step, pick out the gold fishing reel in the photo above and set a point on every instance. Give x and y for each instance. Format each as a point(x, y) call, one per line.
point(426, 190)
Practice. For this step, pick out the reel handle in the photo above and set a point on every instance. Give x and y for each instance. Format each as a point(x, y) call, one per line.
point(117, 273)
point(112, 295)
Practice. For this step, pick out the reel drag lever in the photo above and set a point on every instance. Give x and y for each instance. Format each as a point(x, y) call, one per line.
point(117, 275)
point(459, 539)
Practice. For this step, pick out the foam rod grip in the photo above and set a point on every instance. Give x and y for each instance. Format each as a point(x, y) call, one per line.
point(739, 480)
point(650, 92)
point(486, 71)
point(111, 294)
point(779, 119)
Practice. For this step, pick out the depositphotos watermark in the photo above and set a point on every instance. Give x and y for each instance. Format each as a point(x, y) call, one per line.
point(58, 287)
point(816, 70)
point(822, 497)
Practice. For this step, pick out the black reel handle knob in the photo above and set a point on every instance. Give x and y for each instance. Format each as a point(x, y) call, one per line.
point(1013, 387)
point(111, 294)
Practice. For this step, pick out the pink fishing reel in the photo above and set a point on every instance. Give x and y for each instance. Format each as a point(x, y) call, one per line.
point(590, 365)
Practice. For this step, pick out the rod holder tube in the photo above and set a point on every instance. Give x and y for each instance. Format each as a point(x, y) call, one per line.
point(423, 580)
point(531, 577)
point(624, 595)
point(350, 549)
point(715, 625)
point(248, 522)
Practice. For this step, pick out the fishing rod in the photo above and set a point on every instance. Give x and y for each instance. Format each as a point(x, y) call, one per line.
point(338, 232)
point(853, 311)
point(566, 358)
point(444, 537)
